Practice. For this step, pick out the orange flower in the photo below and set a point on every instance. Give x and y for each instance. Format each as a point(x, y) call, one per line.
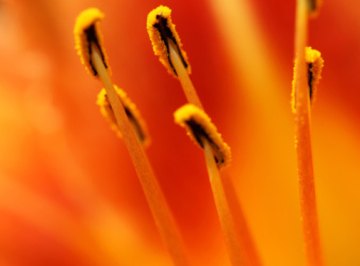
point(68, 191)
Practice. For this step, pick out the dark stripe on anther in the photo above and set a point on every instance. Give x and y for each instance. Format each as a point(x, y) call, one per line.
point(200, 135)
point(135, 123)
point(310, 79)
point(165, 33)
point(92, 38)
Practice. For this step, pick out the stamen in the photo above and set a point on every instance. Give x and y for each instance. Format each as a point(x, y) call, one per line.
point(236, 254)
point(303, 140)
point(87, 35)
point(167, 45)
point(315, 64)
point(199, 128)
point(217, 154)
point(131, 111)
point(156, 200)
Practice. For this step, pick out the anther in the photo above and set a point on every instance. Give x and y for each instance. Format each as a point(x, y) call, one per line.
point(200, 129)
point(131, 111)
point(87, 37)
point(167, 46)
point(314, 63)
point(163, 37)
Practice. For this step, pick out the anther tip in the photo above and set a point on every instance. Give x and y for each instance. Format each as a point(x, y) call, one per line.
point(162, 34)
point(199, 128)
point(87, 36)
point(314, 63)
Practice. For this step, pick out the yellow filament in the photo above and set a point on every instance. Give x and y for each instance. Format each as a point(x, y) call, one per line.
point(156, 200)
point(217, 153)
point(131, 111)
point(184, 77)
point(241, 226)
point(303, 142)
point(237, 252)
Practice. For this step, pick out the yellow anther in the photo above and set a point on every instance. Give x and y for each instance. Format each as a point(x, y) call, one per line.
point(315, 64)
point(131, 111)
point(162, 35)
point(87, 37)
point(200, 129)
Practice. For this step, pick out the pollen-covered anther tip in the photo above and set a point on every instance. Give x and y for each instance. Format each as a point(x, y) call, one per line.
point(163, 37)
point(314, 6)
point(315, 64)
point(131, 112)
point(87, 37)
point(199, 128)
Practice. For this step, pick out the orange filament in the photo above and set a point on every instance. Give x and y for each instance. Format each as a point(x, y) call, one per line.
point(184, 77)
point(246, 240)
point(239, 252)
point(156, 200)
point(217, 153)
point(303, 141)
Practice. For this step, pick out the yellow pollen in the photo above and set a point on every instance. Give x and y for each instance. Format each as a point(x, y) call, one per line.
point(131, 111)
point(200, 129)
point(315, 64)
point(162, 35)
point(87, 35)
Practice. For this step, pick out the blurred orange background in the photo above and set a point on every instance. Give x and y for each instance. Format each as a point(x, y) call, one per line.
point(68, 191)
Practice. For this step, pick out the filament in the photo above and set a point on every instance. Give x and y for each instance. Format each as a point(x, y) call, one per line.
point(303, 141)
point(156, 200)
